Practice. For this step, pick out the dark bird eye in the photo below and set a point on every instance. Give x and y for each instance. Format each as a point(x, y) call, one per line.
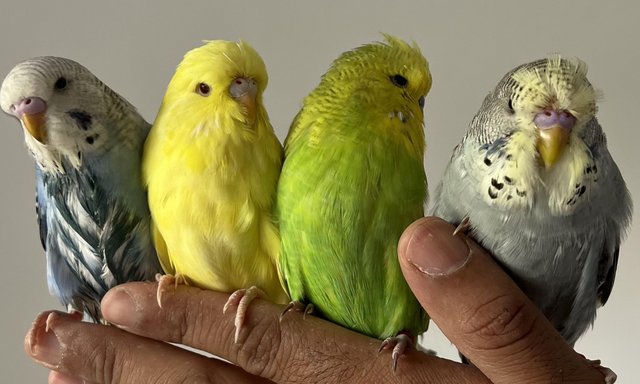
point(511, 105)
point(61, 83)
point(399, 81)
point(203, 89)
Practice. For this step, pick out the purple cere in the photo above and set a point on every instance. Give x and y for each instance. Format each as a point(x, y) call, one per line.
point(549, 118)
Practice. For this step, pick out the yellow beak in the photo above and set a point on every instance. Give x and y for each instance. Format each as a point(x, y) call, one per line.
point(34, 124)
point(552, 142)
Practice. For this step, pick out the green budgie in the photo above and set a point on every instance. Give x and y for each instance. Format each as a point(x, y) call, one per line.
point(353, 179)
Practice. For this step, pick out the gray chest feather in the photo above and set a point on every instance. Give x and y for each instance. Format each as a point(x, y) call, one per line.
point(558, 254)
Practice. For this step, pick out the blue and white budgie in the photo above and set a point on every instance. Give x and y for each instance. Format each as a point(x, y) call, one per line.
point(92, 209)
point(534, 183)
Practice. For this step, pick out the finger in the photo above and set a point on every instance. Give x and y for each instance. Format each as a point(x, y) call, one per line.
point(482, 311)
point(107, 355)
point(292, 351)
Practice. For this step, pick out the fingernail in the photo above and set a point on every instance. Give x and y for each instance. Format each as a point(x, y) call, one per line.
point(119, 308)
point(41, 344)
point(62, 378)
point(433, 250)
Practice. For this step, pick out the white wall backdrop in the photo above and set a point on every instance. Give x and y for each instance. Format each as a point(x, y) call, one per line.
point(134, 47)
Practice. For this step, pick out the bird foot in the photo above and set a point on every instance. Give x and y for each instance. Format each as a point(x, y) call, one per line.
point(610, 377)
point(297, 306)
point(76, 315)
point(463, 227)
point(241, 299)
point(399, 344)
point(165, 281)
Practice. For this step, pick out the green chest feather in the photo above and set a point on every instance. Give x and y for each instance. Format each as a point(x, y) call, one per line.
point(341, 213)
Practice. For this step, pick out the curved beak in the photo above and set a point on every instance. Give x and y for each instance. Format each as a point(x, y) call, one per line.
point(34, 124)
point(245, 91)
point(551, 144)
point(554, 131)
point(31, 113)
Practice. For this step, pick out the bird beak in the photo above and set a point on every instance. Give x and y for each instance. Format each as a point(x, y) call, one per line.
point(245, 91)
point(551, 144)
point(34, 124)
point(31, 113)
point(554, 130)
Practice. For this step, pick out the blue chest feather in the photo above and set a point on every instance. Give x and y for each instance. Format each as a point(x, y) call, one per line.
point(92, 239)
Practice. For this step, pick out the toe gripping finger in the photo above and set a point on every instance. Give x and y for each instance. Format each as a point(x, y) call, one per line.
point(242, 299)
point(399, 344)
point(306, 309)
point(165, 281)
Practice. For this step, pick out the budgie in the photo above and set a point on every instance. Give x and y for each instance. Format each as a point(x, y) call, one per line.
point(534, 183)
point(353, 179)
point(92, 209)
point(211, 164)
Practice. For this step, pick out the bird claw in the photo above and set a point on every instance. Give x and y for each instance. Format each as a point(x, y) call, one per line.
point(610, 377)
point(76, 315)
point(463, 227)
point(398, 344)
point(241, 299)
point(167, 280)
point(47, 323)
point(306, 309)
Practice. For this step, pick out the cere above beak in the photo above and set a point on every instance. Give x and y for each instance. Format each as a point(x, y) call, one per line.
point(31, 112)
point(554, 130)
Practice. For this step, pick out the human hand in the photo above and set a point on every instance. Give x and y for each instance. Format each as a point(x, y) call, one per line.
point(472, 300)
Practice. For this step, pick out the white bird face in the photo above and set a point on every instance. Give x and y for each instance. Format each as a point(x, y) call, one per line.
point(552, 99)
point(532, 127)
point(61, 106)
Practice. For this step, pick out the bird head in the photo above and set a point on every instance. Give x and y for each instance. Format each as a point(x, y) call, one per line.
point(551, 98)
point(62, 107)
point(384, 81)
point(218, 81)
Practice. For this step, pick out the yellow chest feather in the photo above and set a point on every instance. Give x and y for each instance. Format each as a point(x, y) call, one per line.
point(211, 205)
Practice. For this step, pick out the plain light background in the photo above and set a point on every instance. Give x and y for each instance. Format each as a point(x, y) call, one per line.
point(134, 46)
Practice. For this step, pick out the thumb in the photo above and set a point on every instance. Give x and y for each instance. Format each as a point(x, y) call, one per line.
point(482, 311)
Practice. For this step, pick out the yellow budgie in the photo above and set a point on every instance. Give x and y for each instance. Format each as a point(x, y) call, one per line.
point(211, 165)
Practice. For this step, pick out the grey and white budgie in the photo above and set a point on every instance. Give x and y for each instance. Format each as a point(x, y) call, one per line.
point(92, 209)
point(534, 183)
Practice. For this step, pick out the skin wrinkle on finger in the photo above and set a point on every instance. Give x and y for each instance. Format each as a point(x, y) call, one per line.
point(261, 349)
point(310, 337)
point(104, 354)
point(302, 353)
point(257, 350)
point(488, 318)
point(494, 324)
point(500, 322)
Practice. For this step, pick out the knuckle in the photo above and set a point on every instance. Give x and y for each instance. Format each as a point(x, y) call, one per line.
point(334, 365)
point(104, 362)
point(498, 323)
point(85, 349)
point(262, 353)
point(327, 358)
